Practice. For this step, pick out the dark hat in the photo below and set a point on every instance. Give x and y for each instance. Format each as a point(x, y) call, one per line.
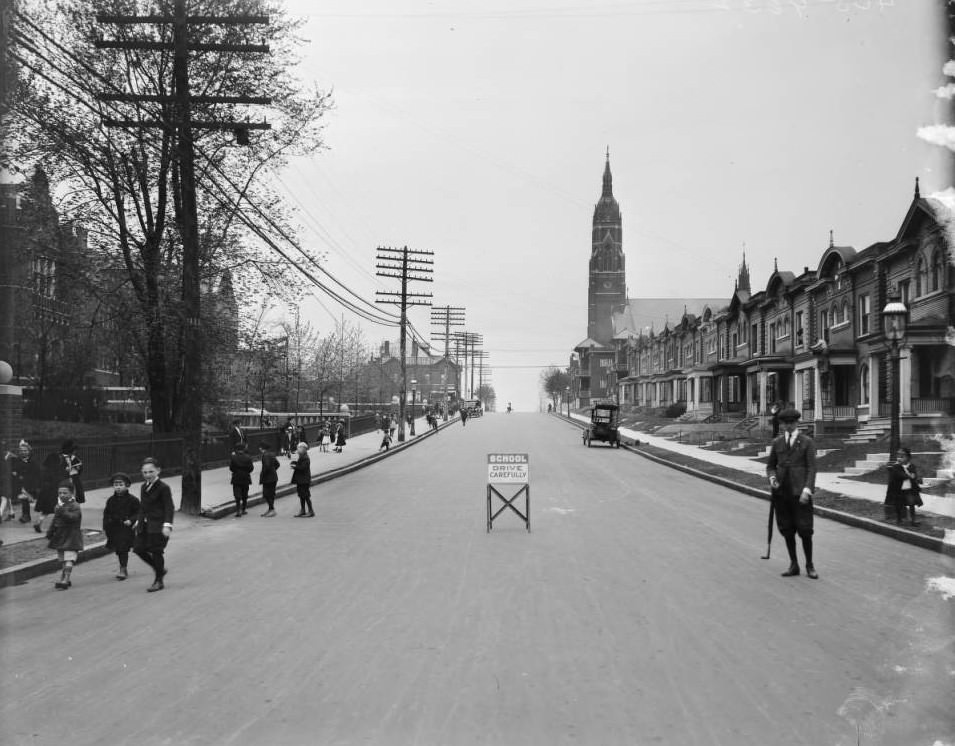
point(68, 446)
point(789, 415)
point(121, 476)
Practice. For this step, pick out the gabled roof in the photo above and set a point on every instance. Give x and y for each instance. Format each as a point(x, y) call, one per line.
point(588, 344)
point(641, 314)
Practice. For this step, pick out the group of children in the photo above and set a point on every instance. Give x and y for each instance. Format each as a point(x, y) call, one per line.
point(122, 519)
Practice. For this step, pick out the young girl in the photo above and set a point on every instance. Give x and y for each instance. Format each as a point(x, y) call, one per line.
point(119, 515)
point(301, 478)
point(65, 535)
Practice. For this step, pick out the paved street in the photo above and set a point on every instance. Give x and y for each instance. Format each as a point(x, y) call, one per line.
point(636, 612)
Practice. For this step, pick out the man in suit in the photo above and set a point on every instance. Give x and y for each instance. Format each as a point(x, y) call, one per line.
point(154, 523)
point(792, 478)
point(236, 436)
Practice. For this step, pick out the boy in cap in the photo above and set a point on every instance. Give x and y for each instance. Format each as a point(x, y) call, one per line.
point(119, 516)
point(792, 478)
point(65, 535)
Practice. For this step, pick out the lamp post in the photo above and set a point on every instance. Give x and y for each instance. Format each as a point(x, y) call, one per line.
point(568, 400)
point(414, 383)
point(894, 321)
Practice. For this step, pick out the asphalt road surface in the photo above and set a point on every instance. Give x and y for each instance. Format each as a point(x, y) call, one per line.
point(637, 611)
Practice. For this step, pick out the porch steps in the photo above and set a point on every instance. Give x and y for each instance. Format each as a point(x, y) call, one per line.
point(747, 423)
point(871, 462)
point(870, 432)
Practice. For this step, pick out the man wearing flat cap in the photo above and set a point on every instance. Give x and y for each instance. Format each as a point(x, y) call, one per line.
point(792, 478)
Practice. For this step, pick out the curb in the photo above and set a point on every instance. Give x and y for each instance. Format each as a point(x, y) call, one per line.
point(226, 509)
point(18, 574)
point(893, 532)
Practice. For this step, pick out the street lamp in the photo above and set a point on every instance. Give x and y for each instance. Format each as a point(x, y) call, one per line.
point(414, 383)
point(568, 400)
point(894, 320)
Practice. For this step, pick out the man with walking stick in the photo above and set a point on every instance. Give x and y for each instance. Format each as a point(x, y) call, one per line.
point(792, 478)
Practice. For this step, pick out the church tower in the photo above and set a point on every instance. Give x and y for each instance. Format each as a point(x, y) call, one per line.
point(607, 289)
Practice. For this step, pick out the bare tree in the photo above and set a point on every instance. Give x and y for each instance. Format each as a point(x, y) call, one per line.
point(122, 184)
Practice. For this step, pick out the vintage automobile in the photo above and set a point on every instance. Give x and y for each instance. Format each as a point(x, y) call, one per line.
point(604, 425)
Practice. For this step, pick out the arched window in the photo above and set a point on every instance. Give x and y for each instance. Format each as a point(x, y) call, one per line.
point(936, 276)
point(864, 385)
point(920, 276)
point(845, 311)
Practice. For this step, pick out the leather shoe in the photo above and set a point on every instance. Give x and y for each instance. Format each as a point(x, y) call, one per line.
point(311, 515)
point(121, 575)
point(300, 515)
point(811, 572)
point(791, 572)
point(156, 586)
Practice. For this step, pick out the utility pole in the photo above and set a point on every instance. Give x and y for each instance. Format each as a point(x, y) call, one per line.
point(405, 265)
point(470, 341)
point(11, 396)
point(183, 126)
point(444, 317)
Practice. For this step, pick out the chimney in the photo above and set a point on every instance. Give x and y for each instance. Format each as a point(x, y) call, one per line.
point(386, 349)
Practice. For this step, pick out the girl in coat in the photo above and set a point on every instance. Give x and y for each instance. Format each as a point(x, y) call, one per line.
point(119, 516)
point(65, 534)
point(340, 437)
point(302, 478)
point(903, 488)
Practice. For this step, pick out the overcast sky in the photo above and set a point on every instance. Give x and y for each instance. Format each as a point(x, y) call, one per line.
point(477, 130)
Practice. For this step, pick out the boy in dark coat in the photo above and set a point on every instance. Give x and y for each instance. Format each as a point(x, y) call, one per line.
point(154, 523)
point(241, 467)
point(65, 534)
point(268, 478)
point(119, 515)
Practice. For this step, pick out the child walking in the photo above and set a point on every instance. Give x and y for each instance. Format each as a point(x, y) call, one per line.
point(301, 478)
point(119, 516)
point(65, 535)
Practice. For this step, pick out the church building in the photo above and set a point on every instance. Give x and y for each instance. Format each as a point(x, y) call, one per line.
point(612, 317)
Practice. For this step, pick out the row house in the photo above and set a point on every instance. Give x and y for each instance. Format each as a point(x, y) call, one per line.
point(814, 340)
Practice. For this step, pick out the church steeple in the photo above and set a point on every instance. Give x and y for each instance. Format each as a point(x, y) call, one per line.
point(608, 180)
point(742, 281)
point(607, 286)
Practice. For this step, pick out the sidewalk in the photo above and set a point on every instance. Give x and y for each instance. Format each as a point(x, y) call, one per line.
point(217, 502)
point(831, 481)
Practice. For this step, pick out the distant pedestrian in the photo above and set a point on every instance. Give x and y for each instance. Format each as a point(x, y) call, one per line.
point(119, 516)
point(154, 522)
point(385, 441)
point(302, 478)
point(71, 468)
point(268, 478)
point(65, 533)
point(792, 478)
point(324, 437)
point(237, 435)
point(340, 437)
point(464, 416)
point(27, 478)
point(289, 438)
point(903, 488)
point(774, 412)
point(301, 435)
